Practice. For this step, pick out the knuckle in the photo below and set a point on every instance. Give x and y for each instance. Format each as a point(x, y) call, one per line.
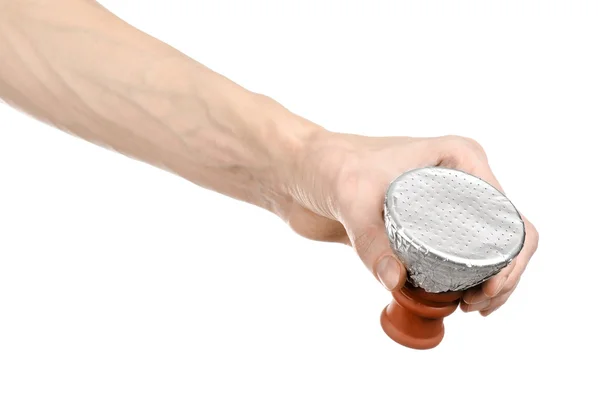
point(465, 149)
point(363, 241)
point(473, 146)
point(465, 142)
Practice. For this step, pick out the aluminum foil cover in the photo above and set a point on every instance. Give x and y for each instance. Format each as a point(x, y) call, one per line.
point(451, 229)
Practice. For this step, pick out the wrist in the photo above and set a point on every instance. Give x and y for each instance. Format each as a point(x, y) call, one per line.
point(290, 140)
point(316, 172)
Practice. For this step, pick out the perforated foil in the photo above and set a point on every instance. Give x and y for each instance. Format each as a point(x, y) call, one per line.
point(451, 229)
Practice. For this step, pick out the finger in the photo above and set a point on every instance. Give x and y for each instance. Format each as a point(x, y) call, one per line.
point(467, 155)
point(507, 281)
point(487, 312)
point(373, 247)
point(483, 171)
point(465, 307)
point(492, 304)
point(509, 276)
point(497, 302)
point(473, 295)
point(489, 304)
point(497, 284)
point(490, 288)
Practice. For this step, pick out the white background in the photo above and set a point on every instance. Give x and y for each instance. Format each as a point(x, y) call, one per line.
point(118, 279)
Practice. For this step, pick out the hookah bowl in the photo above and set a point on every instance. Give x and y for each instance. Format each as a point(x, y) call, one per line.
point(452, 231)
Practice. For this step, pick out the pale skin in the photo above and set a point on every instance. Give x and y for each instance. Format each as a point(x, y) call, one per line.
point(76, 66)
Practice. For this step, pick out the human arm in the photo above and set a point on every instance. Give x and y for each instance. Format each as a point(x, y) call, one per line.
point(76, 66)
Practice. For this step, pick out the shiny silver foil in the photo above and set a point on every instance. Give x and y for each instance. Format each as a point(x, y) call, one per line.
point(451, 229)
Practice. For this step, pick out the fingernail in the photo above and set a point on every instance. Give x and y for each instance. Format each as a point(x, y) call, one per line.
point(388, 272)
point(474, 298)
point(479, 306)
point(487, 313)
point(479, 300)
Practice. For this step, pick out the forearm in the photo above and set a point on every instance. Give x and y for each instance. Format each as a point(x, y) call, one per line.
point(74, 65)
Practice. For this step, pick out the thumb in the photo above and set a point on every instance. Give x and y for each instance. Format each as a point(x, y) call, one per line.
point(373, 247)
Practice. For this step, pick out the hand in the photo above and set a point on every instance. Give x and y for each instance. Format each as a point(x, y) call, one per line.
point(338, 193)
